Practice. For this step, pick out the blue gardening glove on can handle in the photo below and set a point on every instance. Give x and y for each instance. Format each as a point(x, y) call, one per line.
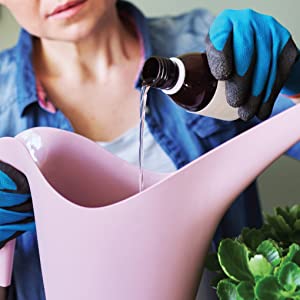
point(254, 54)
point(16, 213)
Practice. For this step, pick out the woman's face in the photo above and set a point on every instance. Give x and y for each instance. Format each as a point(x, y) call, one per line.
point(66, 20)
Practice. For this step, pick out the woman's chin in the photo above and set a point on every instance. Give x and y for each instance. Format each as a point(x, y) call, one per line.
point(71, 33)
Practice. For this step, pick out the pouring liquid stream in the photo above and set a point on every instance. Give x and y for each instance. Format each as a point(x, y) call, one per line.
point(143, 103)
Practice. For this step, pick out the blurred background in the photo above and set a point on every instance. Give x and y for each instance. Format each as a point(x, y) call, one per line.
point(280, 183)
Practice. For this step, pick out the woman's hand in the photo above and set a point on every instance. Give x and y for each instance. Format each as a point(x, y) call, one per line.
point(254, 54)
point(16, 213)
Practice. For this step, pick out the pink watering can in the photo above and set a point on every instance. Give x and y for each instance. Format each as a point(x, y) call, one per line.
point(101, 239)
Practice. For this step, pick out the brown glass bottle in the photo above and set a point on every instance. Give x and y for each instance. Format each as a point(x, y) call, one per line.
point(199, 84)
point(188, 81)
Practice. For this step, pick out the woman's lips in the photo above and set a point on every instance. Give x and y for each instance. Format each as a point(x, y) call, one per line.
point(67, 10)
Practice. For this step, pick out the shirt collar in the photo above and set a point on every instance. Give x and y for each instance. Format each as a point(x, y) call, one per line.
point(25, 76)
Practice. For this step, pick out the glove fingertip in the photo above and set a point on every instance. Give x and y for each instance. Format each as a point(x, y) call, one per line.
point(235, 94)
point(248, 110)
point(220, 62)
point(244, 114)
point(265, 110)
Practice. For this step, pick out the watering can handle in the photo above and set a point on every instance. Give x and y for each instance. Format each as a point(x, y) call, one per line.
point(6, 263)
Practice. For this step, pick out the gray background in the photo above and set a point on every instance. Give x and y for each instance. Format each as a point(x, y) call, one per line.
point(279, 184)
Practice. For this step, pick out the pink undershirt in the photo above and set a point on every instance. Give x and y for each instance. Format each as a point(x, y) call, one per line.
point(43, 100)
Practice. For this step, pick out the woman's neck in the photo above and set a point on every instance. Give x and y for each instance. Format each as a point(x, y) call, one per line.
point(109, 45)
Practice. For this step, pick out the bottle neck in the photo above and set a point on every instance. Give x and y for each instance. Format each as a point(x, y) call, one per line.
point(160, 72)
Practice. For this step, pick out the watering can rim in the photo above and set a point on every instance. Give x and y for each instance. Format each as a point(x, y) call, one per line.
point(167, 177)
point(51, 189)
point(116, 205)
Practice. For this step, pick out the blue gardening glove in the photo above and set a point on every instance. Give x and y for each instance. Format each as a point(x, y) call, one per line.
point(16, 213)
point(254, 54)
point(292, 85)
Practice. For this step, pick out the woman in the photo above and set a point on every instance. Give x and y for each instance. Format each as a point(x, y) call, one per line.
point(77, 67)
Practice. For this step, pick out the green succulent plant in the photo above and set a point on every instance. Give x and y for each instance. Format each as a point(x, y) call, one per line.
point(261, 264)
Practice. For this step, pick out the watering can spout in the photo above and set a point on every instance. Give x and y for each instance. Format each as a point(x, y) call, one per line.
point(97, 233)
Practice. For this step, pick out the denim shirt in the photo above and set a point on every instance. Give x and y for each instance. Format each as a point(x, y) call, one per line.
point(182, 135)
